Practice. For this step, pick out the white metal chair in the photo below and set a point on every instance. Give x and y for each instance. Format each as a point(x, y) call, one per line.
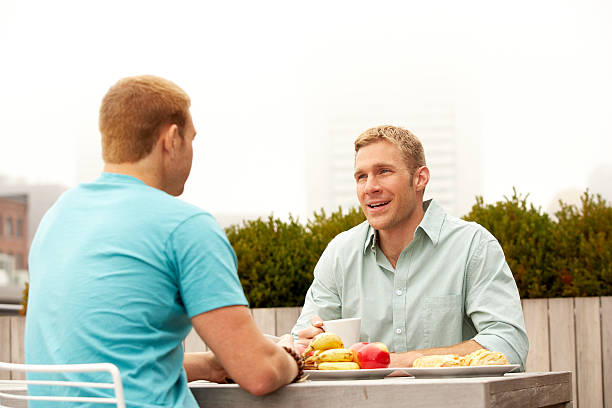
point(116, 384)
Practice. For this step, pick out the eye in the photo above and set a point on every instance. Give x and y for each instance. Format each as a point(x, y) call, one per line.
point(360, 177)
point(384, 171)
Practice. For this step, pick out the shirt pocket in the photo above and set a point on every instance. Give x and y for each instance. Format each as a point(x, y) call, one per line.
point(442, 320)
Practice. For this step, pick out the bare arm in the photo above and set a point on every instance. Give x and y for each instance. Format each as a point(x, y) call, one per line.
point(406, 359)
point(255, 363)
point(203, 366)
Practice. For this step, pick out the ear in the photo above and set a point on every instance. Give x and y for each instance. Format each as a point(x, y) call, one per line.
point(168, 138)
point(421, 178)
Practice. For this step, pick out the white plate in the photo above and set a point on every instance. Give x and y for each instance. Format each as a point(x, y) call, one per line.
point(475, 371)
point(363, 374)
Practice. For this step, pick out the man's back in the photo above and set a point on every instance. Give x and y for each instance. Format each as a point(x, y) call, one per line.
point(115, 276)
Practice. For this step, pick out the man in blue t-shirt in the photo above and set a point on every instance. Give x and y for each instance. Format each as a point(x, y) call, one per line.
point(120, 269)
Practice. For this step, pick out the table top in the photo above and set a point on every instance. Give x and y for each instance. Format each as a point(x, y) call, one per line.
point(547, 389)
point(550, 389)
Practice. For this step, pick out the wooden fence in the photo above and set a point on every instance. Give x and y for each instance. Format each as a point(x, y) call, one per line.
point(565, 334)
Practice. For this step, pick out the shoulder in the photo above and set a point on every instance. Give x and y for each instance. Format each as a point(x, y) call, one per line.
point(467, 230)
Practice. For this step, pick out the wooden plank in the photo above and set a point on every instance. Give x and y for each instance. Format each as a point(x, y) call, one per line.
point(531, 390)
point(265, 319)
point(588, 357)
point(285, 319)
point(536, 324)
point(194, 343)
point(5, 344)
point(544, 396)
point(606, 341)
point(17, 344)
point(340, 394)
point(563, 337)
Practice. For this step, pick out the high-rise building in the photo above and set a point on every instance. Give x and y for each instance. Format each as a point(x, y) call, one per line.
point(451, 150)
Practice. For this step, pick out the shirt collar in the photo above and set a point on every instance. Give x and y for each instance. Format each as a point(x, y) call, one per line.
point(431, 224)
point(433, 220)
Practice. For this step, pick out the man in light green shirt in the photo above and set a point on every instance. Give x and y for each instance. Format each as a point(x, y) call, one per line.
point(422, 281)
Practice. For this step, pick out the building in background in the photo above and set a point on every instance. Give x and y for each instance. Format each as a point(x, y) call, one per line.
point(441, 116)
point(40, 197)
point(13, 228)
point(22, 206)
point(14, 248)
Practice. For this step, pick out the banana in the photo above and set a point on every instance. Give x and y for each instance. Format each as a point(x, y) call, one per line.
point(339, 354)
point(324, 341)
point(312, 359)
point(338, 365)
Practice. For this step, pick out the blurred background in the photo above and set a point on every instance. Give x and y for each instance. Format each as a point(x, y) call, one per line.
point(503, 95)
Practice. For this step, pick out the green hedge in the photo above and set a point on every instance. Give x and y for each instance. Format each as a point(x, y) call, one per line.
point(569, 254)
point(276, 258)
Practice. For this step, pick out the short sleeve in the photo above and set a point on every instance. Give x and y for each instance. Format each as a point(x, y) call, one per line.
point(205, 265)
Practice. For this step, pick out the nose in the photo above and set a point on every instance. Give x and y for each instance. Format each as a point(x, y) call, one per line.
point(372, 185)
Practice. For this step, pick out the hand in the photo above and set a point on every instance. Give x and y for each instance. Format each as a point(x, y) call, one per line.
point(305, 335)
point(216, 373)
point(204, 366)
point(286, 340)
point(404, 359)
point(309, 332)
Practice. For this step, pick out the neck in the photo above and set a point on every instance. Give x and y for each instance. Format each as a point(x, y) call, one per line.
point(393, 241)
point(143, 170)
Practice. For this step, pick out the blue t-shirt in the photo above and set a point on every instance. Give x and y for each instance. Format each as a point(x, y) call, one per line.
point(117, 269)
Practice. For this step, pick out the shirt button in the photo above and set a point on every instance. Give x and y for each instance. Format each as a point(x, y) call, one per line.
point(398, 292)
point(398, 331)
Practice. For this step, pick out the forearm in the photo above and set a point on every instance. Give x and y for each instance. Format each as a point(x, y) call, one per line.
point(256, 364)
point(202, 366)
point(406, 359)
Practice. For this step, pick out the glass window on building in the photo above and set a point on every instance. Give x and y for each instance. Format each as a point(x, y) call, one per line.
point(19, 227)
point(9, 227)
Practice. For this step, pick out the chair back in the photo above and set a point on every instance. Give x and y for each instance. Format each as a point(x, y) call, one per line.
point(21, 385)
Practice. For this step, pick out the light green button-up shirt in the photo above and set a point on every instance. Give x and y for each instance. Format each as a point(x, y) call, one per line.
point(451, 284)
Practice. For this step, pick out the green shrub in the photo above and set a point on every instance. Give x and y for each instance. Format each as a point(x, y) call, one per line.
point(582, 242)
point(323, 228)
point(24, 299)
point(524, 233)
point(567, 256)
point(276, 259)
point(571, 256)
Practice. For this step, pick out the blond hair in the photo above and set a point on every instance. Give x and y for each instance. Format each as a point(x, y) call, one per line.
point(134, 111)
point(408, 144)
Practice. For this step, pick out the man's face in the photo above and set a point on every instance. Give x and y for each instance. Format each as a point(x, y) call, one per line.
point(184, 156)
point(385, 186)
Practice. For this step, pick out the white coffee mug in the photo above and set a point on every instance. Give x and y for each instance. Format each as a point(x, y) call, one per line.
point(347, 329)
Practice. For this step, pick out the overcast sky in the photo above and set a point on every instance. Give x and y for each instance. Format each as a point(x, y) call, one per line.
point(540, 72)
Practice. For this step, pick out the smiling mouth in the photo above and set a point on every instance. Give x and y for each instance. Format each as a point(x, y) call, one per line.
point(378, 205)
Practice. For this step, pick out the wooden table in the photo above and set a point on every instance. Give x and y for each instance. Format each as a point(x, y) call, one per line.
point(551, 389)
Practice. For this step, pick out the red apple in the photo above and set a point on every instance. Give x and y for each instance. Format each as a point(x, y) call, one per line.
point(373, 355)
point(356, 347)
